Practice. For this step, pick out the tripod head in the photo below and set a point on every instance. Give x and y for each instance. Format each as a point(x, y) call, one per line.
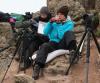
point(91, 20)
point(27, 16)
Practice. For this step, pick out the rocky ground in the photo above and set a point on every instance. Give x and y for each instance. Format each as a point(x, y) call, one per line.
point(54, 71)
point(5, 36)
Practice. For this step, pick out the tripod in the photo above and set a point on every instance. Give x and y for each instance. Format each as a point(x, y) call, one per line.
point(17, 47)
point(88, 33)
point(20, 47)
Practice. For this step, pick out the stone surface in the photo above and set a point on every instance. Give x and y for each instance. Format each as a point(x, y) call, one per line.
point(75, 7)
point(57, 66)
point(22, 78)
point(5, 36)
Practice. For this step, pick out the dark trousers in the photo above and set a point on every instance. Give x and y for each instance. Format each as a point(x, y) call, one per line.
point(30, 45)
point(68, 42)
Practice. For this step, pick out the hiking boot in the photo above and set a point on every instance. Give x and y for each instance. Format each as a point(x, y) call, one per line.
point(71, 56)
point(36, 72)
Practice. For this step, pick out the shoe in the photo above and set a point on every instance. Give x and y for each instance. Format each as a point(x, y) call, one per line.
point(36, 72)
point(71, 56)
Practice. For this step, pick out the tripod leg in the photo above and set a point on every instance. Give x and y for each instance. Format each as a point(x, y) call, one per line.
point(96, 42)
point(81, 48)
point(87, 56)
point(75, 54)
point(11, 60)
point(18, 44)
point(24, 56)
point(17, 47)
point(20, 57)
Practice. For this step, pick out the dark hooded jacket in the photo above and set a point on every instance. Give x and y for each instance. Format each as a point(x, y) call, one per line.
point(34, 24)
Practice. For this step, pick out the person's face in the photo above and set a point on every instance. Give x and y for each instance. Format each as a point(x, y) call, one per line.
point(61, 16)
point(43, 16)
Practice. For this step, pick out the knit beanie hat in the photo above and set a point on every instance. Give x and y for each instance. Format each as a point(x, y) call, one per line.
point(63, 10)
point(44, 10)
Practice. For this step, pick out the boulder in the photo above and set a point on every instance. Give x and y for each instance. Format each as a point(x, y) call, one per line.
point(22, 78)
point(75, 7)
point(57, 66)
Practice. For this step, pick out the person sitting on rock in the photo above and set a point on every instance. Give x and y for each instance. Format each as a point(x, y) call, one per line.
point(30, 45)
point(59, 30)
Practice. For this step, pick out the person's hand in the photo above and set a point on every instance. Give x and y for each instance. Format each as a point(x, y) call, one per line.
point(57, 19)
point(53, 19)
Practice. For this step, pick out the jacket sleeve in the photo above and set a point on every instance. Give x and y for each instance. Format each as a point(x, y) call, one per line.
point(65, 28)
point(37, 19)
point(48, 29)
point(26, 24)
point(68, 27)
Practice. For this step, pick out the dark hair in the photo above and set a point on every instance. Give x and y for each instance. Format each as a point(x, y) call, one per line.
point(44, 10)
point(64, 10)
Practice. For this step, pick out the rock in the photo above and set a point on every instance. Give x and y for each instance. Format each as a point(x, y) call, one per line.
point(36, 14)
point(57, 79)
point(75, 7)
point(86, 4)
point(79, 29)
point(57, 66)
point(22, 78)
point(97, 5)
point(3, 42)
point(5, 34)
point(98, 61)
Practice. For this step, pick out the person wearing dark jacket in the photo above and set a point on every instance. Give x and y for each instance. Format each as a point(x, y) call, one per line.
point(30, 45)
point(59, 30)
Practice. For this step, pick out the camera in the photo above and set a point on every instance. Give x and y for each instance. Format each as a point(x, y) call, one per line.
point(91, 20)
point(27, 15)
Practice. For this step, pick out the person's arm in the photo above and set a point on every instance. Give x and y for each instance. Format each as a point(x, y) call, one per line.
point(37, 19)
point(68, 26)
point(48, 29)
point(64, 28)
point(26, 24)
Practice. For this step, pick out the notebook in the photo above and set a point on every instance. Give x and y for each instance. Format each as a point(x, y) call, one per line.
point(41, 27)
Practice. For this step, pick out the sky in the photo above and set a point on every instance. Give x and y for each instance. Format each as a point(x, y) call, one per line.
point(21, 6)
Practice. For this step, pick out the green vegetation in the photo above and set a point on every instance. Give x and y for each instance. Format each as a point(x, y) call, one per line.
point(18, 17)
